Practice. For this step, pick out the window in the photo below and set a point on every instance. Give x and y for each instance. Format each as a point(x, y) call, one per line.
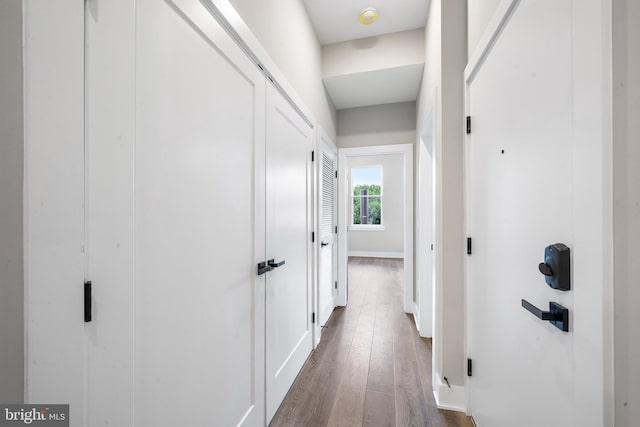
point(366, 197)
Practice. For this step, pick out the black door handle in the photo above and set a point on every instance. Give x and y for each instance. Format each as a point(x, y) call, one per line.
point(263, 268)
point(557, 315)
point(87, 301)
point(323, 244)
point(274, 264)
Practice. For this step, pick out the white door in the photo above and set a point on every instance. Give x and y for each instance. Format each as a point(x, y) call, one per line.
point(522, 154)
point(176, 210)
point(288, 293)
point(425, 249)
point(327, 230)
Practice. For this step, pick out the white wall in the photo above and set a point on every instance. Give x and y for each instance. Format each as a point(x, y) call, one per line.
point(480, 13)
point(373, 53)
point(11, 161)
point(391, 240)
point(446, 57)
point(626, 69)
point(377, 125)
point(286, 33)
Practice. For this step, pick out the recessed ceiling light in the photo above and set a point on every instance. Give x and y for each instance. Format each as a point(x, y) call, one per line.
point(368, 16)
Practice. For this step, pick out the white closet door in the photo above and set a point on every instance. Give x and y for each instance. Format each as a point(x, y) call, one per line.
point(328, 248)
point(192, 196)
point(288, 329)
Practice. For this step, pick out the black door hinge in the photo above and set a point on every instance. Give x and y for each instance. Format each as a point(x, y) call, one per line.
point(468, 125)
point(313, 156)
point(87, 301)
point(336, 174)
point(313, 236)
point(468, 245)
point(336, 229)
point(469, 368)
point(313, 317)
point(336, 284)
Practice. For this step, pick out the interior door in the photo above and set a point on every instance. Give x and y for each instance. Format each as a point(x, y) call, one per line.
point(288, 305)
point(328, 249)
point(176, 218)
point(520, 154)
point(425, 248)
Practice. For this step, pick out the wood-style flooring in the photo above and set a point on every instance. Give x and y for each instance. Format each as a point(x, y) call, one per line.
point(371, 367)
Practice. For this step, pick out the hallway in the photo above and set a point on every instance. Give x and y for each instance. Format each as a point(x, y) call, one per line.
point(371, 367)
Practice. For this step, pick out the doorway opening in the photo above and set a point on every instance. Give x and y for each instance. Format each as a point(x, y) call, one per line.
point(376, 212)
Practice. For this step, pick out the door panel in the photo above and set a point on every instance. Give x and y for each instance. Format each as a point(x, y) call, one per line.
point(288, 315)
point(327, 200)
point(194, 203)
point(520, 195)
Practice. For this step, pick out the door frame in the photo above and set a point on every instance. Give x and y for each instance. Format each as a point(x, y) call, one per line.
point(592, 214)
point(406, 150)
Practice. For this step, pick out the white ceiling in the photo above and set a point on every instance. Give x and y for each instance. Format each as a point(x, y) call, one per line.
point(337, 20)
point(385, 86)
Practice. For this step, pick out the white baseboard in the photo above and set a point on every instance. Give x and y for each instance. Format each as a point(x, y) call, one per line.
point(367, 254)
point(416, 315)
point(450, 398)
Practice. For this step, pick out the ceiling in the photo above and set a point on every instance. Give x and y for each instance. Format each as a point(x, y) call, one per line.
point(398, 84)
point(337, 20)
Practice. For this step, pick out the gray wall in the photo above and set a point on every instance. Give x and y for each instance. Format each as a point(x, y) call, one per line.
point(377, 125)
point(11, 161)
point(446, 58)
point(392, 238)
point(626, 128)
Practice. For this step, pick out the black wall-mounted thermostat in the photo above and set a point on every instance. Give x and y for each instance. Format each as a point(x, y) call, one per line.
point(557, 266)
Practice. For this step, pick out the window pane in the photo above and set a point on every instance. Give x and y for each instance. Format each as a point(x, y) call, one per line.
point(366, 192)
point(367, 210)
point(367, 175)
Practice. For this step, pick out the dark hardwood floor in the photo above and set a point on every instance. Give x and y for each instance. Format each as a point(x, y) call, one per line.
point(371, 367)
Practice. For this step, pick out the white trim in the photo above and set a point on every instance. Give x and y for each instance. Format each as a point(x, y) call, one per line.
point(450, 398)
point(368, 254)
point(500, 18)
point(343, 215)
point(366, 227)
point(315, 257)
point(416, 315)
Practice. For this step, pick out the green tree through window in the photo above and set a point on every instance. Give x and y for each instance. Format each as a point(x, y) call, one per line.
point(367, 195)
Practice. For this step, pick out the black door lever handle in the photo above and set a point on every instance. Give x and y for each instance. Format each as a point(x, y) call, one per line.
point(263, 268)
point(274, 264)
point(557, 315)
point(323, 244)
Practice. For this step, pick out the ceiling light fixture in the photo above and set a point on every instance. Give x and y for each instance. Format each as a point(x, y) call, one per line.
point(368, 16)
